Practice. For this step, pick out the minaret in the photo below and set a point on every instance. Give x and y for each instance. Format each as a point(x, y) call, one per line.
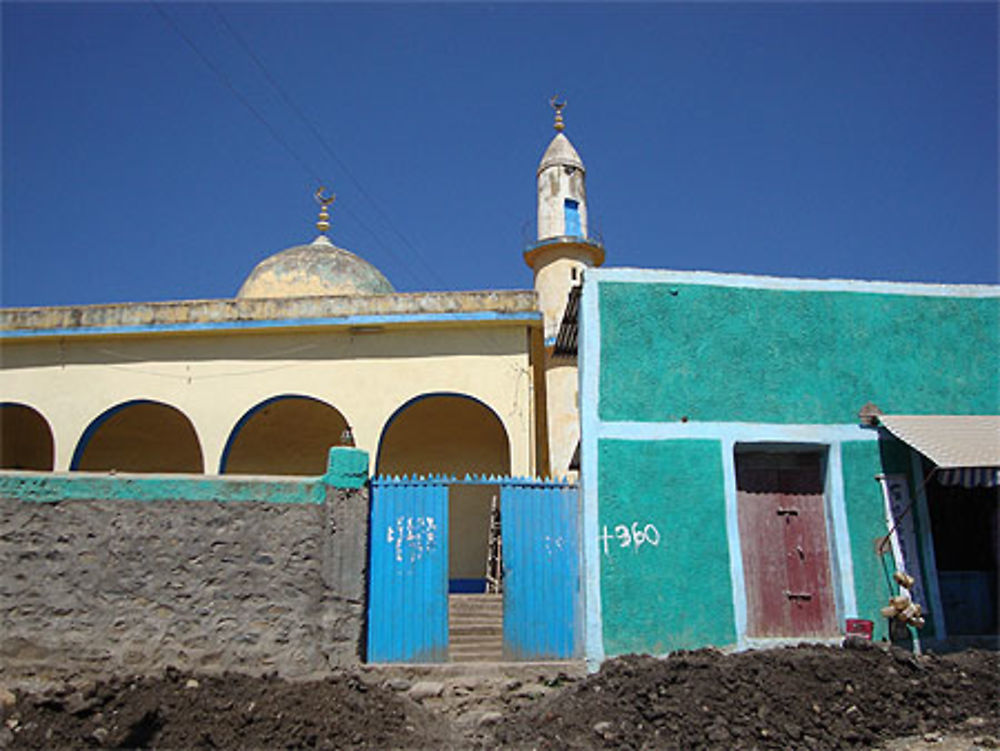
point(558, 258)
point(563, 248)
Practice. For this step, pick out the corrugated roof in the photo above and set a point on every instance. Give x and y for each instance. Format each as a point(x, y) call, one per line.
point(566, 339)
point(950, 441)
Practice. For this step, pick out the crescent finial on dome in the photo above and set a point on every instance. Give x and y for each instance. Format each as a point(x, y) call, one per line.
point(323, 225)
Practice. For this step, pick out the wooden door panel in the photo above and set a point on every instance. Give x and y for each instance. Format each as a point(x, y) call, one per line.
point(765, 570)
point(812, 609)
point(786, 561)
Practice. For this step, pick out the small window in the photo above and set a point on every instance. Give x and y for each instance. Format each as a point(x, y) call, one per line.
point(572, 216)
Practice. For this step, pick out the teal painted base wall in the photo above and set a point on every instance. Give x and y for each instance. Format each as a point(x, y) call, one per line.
point(346, 468)
point(862, 462)
point(676, 594)
point(708, 353)
point(867, 527)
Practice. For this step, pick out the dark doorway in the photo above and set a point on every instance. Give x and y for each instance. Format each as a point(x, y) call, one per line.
point(965, 524)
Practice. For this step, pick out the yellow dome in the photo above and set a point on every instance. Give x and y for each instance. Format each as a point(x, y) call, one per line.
point(317, 269)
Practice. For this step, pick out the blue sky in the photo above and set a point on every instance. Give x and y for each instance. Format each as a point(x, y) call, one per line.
point(159, 151)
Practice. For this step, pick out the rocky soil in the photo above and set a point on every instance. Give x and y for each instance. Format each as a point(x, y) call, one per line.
point(857, 697)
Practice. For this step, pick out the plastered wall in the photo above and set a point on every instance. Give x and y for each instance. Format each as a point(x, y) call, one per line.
point(714, 353)
point(214, 379)
point(665, 581)
point(677, 369)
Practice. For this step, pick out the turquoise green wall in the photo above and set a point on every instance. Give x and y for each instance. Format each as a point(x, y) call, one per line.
point(678, 594)
point(865, 505)
point(755, 355)
point(867, 527)
point(346, 468)
point(50, 488)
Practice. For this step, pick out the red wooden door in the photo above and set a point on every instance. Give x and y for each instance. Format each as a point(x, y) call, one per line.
point(786, 559)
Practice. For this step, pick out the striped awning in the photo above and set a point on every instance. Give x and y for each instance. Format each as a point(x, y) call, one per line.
point(950, 441)
point(969, 477)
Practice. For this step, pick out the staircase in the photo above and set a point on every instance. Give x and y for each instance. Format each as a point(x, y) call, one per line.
point(475, 628)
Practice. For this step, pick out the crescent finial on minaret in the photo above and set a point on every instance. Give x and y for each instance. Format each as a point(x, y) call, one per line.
point(323, 225)
point(558, 107)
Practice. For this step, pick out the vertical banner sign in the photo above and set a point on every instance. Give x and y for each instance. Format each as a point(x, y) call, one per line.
point(902, 532)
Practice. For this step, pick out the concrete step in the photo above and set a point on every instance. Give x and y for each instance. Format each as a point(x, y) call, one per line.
point(476, 607)
point(486, 629)
point(475, 628)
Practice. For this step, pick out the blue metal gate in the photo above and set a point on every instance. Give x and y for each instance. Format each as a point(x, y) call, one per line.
point(541, 564)
point(408, 571)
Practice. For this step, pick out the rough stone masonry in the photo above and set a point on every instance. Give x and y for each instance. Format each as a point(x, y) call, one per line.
point(102, 585)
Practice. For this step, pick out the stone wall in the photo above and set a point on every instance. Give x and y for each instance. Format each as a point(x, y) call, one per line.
point(197, 581)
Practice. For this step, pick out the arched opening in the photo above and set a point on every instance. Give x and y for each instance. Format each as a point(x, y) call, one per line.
point(286, 435)
point(140, 436)
point(25, 439)
point(453, 434)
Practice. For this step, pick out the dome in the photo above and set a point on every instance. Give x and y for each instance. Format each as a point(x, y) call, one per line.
point(560, 152)
point(317, 269)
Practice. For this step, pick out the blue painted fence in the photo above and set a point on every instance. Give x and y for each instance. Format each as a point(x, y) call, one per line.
point(408, 571)
point(541, 564)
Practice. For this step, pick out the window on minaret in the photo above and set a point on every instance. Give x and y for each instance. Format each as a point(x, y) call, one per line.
point(572, 215)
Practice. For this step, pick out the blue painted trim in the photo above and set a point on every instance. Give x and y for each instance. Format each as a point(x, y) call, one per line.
point(97, 422)
point(589, 375)
point(248, 415)
point(466, 586)
point(346, 321)
point(421, 397)
point(711, 278)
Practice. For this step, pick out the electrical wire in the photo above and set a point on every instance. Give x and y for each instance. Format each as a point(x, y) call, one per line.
point(317, 134)
point(235, 92)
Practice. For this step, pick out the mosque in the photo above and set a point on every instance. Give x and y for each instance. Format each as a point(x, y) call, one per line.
point(316, 349)
point(793, 441)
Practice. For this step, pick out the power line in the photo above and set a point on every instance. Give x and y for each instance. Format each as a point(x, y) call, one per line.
point(235, 92)
point(317, 134)
point(317, 180)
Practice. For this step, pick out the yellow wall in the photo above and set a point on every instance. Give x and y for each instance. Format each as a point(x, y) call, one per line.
point(214, 379)
point(455, 436)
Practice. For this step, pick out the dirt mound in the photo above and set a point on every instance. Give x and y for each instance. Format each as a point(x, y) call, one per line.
point(800, 697)
point(796, 698)
point(180, 711)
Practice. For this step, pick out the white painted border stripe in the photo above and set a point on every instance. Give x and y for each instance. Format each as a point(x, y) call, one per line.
point(590, 363)
point(736, 573)
point(841, 533)
point(735, 431)
point(711, 278)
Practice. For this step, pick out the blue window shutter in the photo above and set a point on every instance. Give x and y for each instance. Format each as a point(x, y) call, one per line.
point(572, 214)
